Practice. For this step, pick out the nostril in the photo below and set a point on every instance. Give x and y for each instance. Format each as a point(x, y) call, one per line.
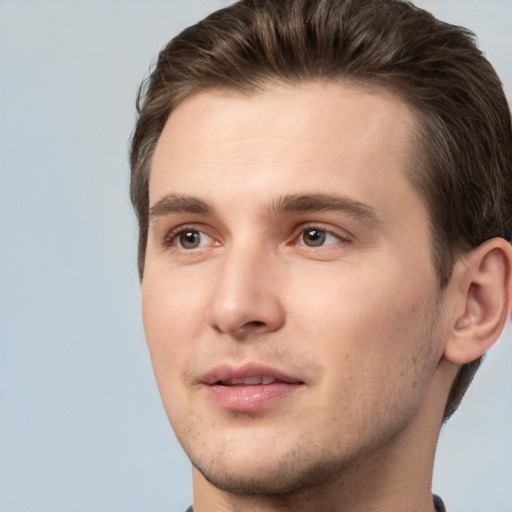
point(256, 323)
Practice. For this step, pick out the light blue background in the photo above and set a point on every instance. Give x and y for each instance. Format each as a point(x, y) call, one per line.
point(82, 428)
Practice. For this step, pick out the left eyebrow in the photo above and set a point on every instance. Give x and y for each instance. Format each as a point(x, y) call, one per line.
point(325, 202)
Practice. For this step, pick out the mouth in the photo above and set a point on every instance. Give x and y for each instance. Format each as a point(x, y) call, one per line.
point(260, 380)
point(249, 387)
point(247, 375)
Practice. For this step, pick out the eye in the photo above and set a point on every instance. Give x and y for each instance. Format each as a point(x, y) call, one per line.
point(315, 237)
point(190, 239)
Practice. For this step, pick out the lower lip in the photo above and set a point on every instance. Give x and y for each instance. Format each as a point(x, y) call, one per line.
point(249, 398)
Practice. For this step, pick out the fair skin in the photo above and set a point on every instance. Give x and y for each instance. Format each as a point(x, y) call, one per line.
point(301, 344)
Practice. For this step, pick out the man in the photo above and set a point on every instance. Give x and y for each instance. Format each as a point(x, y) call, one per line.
point(324, 194)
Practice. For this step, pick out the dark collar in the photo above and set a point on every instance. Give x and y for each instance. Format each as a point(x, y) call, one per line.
point(438, 504)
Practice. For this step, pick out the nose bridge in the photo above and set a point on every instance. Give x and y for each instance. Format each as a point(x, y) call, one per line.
point(246, 296)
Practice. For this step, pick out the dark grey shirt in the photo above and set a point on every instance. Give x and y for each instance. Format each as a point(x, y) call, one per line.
point(438, 504)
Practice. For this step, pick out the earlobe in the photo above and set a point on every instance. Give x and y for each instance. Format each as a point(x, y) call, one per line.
point(484, 283)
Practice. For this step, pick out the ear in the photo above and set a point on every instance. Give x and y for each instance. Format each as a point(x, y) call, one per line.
point(481, 293)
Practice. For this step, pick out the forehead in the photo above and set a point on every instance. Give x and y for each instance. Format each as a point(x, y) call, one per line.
point(309, 135)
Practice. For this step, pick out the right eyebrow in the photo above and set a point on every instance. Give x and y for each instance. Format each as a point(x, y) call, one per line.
point(174, 203)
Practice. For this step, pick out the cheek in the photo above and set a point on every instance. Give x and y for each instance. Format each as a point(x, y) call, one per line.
point(171, 307)
point(379, 362)
point(171, 323)
point(376, 326)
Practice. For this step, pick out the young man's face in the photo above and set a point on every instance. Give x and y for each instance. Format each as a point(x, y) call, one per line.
point(290, 301)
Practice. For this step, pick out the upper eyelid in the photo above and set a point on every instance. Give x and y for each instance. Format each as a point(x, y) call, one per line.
point(341, 233)
point(318, 228)
point(189, 227)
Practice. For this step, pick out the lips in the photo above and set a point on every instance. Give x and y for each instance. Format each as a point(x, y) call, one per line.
point(248, 387)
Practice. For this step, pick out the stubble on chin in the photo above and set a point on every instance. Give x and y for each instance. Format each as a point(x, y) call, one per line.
point(296, 471)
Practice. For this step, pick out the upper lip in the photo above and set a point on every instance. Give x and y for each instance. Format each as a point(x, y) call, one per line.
point(233, 374)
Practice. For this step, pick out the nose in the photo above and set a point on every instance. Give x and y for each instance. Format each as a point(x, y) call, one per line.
point(247, 298)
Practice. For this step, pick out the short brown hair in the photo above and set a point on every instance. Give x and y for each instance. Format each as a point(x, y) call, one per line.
point(463, 165)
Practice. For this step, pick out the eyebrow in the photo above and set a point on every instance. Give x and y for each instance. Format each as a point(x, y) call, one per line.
point(174, 203)
point(325, 202)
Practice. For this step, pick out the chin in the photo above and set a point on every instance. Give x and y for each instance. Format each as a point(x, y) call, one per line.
point(290, 474)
